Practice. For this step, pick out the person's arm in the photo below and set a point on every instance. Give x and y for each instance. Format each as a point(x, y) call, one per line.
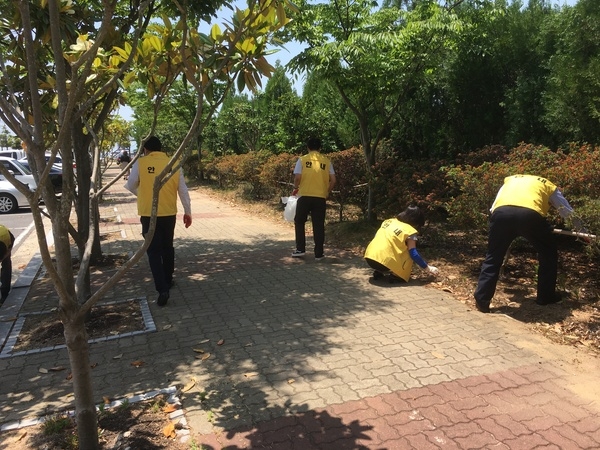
point(411, 242)
point(184, 196)
point(297, 177)
point(565, 210)
point(134, 179)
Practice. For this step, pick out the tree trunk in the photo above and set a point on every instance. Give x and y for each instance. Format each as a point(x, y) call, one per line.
point(76, 338)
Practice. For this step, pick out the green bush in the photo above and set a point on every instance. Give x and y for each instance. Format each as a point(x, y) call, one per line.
point(473, 188)
point(351, 179)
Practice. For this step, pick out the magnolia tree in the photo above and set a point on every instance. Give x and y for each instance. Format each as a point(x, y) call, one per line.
point(63, 69)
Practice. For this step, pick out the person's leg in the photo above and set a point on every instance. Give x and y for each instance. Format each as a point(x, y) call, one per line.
point(540, 235)
point(302, 210)
point(168, 231)
point(317, 214)
point(379, 269)
point(6, 271)
point(155, 255)
point(5, 277)
point(501, 234)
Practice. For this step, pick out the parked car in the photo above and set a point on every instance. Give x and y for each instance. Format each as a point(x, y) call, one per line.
point(16, 154)
point(10, 197)
point(56, 175)
point(57, 160)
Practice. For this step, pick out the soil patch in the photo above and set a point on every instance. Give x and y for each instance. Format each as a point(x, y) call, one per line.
point(143, 425)
point(46, 330)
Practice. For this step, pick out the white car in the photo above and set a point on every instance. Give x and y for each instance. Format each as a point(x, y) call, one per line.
point(57, 160)
point(10, 197)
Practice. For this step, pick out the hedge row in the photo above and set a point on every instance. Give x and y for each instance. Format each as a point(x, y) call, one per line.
point(460, 191)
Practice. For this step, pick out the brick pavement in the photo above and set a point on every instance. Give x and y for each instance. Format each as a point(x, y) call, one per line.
point(309, 354)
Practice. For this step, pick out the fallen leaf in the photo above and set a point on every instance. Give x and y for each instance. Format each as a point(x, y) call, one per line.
point(169, 430)
point(189, 386)
point(221, 342)
point(93, 366)
point(21, 436)
point(166, 327)
point(198, 350)
point(42, 370)
point(9, 319)
point(169, 408)
point(447, 289)
point(137, 363)
point(438, 355)
point(205, 341)
point(119, 356)
point(250, 374)
point(291, 380)
point(106, 400)
point(56, 369)
point(69, 376)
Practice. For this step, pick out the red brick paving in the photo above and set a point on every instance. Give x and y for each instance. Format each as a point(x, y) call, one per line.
point(499, 411)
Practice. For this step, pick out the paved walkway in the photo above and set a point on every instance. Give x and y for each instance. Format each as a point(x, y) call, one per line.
point(309, 354)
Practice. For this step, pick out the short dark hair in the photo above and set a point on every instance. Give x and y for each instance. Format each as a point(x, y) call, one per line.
point(313, 143)
point(153, 144)
point(412, 216)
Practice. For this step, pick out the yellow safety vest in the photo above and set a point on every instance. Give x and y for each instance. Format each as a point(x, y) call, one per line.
point(150, 166)
point(5, 236)
point(527, 191)
point(389, 248)
point(315, 175)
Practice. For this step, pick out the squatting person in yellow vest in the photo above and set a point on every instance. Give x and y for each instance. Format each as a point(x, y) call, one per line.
point(6, 244)
point(314, 179)
point(161, 253)
point(394, 247)
point(520, 209)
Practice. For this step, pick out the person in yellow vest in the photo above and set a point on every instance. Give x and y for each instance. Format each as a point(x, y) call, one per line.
point(520, 209)
point(394, 247)
point(314, 179)
point(161, 253)
point(7, 241)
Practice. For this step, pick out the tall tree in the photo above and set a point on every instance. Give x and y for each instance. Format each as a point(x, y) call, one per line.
point(375, 59)
point(49, 86)
point(572, 98)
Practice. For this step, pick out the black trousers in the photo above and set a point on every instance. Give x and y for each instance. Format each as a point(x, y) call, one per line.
point(506, 224)
point(315, 206)
point(6, 270)
point(161, 253)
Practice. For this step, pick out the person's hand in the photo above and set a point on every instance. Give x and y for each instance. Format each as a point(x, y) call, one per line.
point(295, 192)
point(187, 220)
point(433, 270)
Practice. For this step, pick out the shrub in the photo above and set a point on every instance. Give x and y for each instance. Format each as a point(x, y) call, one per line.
point(276, 175)
point(351, 179)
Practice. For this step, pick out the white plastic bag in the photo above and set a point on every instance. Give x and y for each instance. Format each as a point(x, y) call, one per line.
point(289, 213)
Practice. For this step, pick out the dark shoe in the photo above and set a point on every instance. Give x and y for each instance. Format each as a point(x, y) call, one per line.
point(171, 283)
point(162, 299)
point(395, 279)
point(377, 275)
point(319, 258)
point(298, 254)
point(557, 298)
point(482, 308)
